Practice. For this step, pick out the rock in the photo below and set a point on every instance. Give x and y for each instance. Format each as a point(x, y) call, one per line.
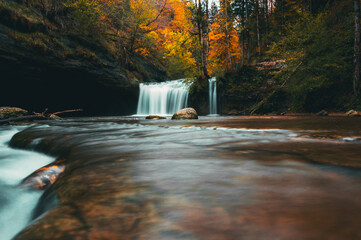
point(186, 113)
point(155, 117)
point(50, 68)
point(45, 176)
point(11, 112)
point(322, 113)
point(353, 113)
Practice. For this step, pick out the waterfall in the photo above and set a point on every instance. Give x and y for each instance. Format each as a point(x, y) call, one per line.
point(212, 95)
point(163, 98)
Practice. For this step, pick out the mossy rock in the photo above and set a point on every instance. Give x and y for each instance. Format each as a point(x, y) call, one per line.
point(11, 112)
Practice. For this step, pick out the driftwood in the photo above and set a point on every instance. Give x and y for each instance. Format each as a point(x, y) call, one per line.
point(37, 116)
point(22, 119)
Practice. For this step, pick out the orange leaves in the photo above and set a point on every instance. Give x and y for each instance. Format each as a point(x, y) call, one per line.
point(178, 42)
point(224, 52)
point(143, 51)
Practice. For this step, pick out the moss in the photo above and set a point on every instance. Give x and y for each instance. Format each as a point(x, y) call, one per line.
point(86, 53)
point(9, 112)
point(20, 17)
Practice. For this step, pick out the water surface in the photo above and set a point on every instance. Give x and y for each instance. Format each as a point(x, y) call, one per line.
point(16, 203)
point(212, 178)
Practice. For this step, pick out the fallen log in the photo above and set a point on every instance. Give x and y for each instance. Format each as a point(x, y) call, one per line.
point(28, 118)
point(37, 116)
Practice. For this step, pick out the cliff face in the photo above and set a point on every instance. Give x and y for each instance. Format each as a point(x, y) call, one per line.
point(41, 68)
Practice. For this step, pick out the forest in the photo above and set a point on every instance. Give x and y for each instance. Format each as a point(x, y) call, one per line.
point(269, 56)
point(180, 119)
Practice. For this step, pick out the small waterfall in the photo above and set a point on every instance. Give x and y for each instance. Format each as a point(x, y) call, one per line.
point(163, 98)
point(212, 95)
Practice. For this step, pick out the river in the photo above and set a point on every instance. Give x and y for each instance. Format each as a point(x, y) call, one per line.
point(212, 178)
point(16, 203)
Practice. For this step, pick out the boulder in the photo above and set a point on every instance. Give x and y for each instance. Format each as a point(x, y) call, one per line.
point(11, 112)
point(353, 113)
point(322, 113)
point(186, 113)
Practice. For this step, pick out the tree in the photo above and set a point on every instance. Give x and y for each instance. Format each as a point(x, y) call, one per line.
point(225, 47)
point(177, 40)
point(201, 9)
point(356, 60)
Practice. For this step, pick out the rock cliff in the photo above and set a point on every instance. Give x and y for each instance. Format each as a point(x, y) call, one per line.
point(43, 68)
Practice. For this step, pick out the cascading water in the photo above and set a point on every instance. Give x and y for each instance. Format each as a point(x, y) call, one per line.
point(16, 203)
point(212, 95)
point(163, 98)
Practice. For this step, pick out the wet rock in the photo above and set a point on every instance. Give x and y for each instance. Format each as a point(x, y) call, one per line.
point(353, 113)
point(155, 117)
point(322, 113)
point(11, 112)
point(186, 113)
point(44, 177)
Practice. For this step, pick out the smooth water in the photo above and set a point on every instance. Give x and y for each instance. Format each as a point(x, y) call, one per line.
point(16, 203)
point(164, 98)
point(212, 178)
point(212, 95)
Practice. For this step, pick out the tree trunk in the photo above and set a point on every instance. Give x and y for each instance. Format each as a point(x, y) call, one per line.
point(258, 28)
point(206, 42)
point(202, 41)
point(247, 31)
point(243, 38)
point(226, 33)
point(356, 76)
point(265, 3)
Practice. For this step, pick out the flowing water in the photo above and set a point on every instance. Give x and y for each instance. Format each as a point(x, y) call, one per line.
point(212, 178)
point(212, 96)
point(163, 98)
point(16, 203)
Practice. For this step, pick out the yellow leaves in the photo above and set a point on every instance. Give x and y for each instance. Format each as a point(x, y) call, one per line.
point(143, 11)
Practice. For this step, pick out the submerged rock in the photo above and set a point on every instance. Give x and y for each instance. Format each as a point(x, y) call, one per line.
point(353, 113)
point(155, 117)
point(44, 177)
point(186, 113)
point(11, 112)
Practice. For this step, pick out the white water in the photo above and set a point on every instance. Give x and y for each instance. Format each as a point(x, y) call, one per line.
point(212, 95)
point(16, 203)
point(163, 98)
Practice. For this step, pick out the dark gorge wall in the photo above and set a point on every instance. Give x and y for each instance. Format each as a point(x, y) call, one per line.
point(42, 68)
